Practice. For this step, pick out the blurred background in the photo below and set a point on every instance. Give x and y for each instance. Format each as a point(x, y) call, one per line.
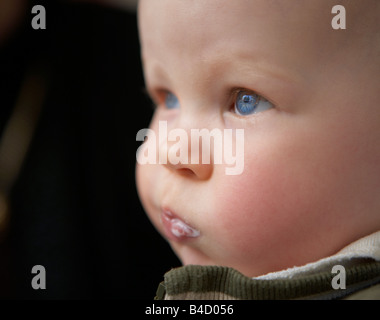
point(73, 203)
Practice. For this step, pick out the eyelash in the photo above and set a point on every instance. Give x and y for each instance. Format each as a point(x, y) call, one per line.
point(159, 97)
point(260, 102)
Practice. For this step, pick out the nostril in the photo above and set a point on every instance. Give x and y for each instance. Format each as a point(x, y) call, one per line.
point(186, 172)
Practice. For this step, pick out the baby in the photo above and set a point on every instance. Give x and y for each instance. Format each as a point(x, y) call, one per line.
point(306, 95)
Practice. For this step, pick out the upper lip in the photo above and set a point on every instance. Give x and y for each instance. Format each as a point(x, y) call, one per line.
point(170, 214)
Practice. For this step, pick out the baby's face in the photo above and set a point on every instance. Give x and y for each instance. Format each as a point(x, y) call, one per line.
point(311, 174)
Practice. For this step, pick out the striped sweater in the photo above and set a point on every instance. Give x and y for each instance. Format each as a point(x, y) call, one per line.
point(357, 277)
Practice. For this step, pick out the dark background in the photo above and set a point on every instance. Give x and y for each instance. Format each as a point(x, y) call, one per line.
point(75, 208)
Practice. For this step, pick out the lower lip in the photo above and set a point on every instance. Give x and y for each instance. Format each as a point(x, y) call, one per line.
point(176, 229)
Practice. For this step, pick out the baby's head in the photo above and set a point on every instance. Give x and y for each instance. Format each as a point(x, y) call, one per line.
point(307, 97)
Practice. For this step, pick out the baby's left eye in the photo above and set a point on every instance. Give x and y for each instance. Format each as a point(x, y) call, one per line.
point(247, 103)
point(171, 101)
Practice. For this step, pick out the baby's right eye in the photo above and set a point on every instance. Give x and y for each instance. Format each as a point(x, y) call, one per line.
point(171, 101)
point(248, 103)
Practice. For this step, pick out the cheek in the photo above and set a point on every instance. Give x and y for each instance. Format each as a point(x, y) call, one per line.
point(146, 174)
point(259, 208)
point(146, 183)
point(277, 209)
point(142, 174)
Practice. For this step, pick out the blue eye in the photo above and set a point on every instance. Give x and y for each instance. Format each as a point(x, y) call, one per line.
point(171, 101)
point(250, 103)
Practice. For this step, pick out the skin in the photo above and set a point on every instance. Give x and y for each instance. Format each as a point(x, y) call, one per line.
point(311, 179)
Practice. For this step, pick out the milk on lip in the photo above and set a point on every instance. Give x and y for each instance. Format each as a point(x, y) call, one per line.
point(181, 229)
point(177, 227)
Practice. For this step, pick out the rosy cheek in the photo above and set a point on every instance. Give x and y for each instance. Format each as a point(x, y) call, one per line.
point(248, 211)
point(263, 212)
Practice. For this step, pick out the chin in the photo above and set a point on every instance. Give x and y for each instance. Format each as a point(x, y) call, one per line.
point(192, 256)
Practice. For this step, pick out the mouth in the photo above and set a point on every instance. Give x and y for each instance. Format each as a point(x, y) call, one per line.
point(175, 228)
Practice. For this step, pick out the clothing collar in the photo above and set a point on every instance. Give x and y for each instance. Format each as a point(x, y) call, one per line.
point(364, 248)
point(361, 261)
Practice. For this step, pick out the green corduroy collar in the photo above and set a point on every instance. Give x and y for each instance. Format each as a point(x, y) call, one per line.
point(193, 282)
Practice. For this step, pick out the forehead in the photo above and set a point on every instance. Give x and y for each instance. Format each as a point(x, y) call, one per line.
point(295, 34)
point(270, 29)
point(195, 24)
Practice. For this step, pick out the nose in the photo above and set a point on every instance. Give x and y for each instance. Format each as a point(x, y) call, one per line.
point(186, 155)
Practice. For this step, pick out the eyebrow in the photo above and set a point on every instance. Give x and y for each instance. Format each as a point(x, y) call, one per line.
point(266, 68)
point(249, 64)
